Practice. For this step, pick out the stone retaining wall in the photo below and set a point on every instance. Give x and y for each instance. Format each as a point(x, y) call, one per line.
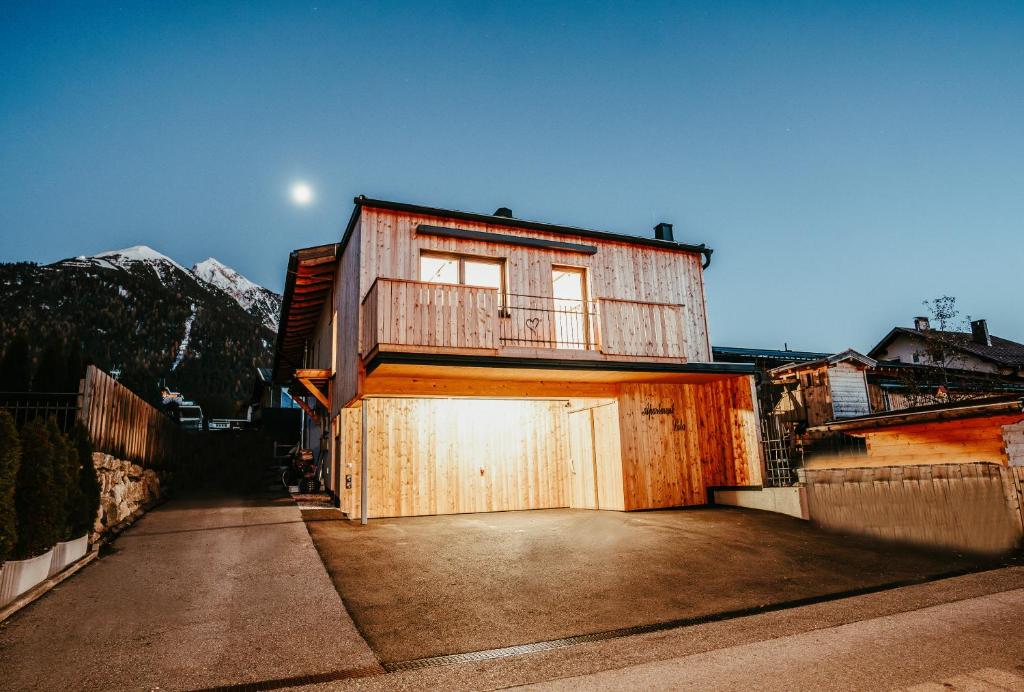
point(972, 508)
point(125, 489)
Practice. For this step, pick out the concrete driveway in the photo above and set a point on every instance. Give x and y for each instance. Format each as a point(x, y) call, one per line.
point(428, 586)
point(202, 592)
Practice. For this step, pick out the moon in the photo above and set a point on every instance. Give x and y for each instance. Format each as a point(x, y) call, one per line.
point(301, 193)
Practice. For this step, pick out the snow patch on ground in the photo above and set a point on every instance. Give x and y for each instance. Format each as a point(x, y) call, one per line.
point(183, 348)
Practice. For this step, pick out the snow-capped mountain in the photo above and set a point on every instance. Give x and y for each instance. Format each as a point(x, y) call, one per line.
point(259, 302)
point(141, 312)
point(129, 259)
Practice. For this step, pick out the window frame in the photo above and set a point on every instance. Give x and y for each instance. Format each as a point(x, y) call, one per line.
point(462, 258)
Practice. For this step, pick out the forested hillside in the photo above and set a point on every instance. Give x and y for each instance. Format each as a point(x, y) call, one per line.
point(141, 314)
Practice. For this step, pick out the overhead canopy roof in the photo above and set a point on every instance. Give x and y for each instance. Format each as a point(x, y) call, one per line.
point(308, 285)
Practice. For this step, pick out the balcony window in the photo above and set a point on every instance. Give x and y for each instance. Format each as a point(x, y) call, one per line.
point(478, 273)
point(439, 270)
point(460, 269)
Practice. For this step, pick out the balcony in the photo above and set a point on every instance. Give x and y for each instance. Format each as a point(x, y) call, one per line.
point(406, 315)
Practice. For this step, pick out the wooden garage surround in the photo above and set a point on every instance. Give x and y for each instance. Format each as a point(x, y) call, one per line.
point(424, 459)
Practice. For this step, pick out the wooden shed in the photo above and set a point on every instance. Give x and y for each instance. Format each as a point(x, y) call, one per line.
point(464, 362)
point(973, 430)
point(824, 389)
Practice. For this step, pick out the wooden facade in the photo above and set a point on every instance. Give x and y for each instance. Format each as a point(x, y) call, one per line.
point(457, 397)
point(814, 392)
point(973, 431)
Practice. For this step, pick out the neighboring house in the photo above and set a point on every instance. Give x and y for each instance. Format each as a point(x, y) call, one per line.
point(830, 388)
point(461, 362)
point(977, 351)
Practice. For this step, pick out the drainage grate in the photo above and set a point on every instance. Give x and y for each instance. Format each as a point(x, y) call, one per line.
point(551, 644)
point(298, 680)
point(490, 654)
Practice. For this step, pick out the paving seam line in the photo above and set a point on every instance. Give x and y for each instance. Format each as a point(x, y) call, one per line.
point(387, 668)
point(548, 645)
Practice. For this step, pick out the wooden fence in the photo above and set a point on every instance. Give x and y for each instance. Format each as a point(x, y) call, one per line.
point(122, 424)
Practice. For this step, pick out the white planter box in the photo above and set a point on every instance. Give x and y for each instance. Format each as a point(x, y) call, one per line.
point(18, 576)
point(68, 552)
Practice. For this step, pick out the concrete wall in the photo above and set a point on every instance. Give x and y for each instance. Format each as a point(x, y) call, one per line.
point(966, 507)
point(791, 501)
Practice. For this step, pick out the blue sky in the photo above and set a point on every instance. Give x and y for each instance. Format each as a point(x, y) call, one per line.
point(845, 160)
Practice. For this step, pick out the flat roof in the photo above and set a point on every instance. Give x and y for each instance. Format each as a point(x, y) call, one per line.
point(968, 408)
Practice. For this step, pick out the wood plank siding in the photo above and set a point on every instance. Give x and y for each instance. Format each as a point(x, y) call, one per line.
point(678, 440)
point(399, 312)
point(450, 456)
point(650, 300)
point(956, 441)
point(642, 446)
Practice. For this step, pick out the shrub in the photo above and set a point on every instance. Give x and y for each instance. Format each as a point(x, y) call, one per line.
point(83, 515)
point(65, 478)
point(38, 507)
point(10, 460)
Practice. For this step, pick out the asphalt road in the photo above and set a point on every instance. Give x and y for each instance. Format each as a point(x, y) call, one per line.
point(976, 644)
point(200, 592)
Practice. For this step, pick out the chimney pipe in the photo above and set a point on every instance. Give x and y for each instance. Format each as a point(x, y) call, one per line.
point(922, 324)
point(979, 332)
point(663, 231)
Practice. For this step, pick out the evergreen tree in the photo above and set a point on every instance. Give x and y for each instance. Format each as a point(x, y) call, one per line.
point(15, 367)
point(51, 375)
point(10, 460)
point(88, 496)
point(65, 479)
point(75, 369)
point(38, 511)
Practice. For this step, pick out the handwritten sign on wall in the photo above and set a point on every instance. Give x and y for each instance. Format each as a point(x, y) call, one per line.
point(650, 410)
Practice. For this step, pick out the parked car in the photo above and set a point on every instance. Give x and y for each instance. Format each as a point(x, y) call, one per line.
point(227, 424)
point(188, 415)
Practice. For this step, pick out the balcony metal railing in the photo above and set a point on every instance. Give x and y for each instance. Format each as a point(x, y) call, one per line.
point(545, 322)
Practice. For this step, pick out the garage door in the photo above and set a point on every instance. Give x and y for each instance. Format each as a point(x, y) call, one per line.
point(449, 456)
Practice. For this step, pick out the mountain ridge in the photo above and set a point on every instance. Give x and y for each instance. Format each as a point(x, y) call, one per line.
point(255, 299)
point(140, 312)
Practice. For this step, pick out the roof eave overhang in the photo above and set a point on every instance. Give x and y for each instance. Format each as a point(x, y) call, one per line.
point(363, 201)
point(487, 361)
point(321, 261)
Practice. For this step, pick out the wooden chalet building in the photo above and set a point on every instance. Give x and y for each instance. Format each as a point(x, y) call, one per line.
point(459, 362)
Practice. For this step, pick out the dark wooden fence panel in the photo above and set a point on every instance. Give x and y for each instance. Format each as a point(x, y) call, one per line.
point(122, 424)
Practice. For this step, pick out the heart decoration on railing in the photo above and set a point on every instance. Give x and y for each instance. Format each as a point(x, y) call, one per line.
point(532, 323)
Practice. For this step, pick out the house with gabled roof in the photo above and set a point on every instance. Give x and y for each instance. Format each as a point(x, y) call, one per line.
point(977, 350)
